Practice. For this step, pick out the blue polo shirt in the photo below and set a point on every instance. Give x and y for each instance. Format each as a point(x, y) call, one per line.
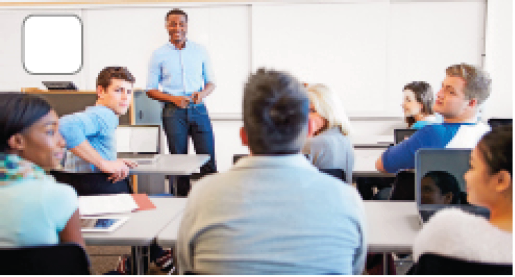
point(180, 72)
point(446, 135)
point(97, 125)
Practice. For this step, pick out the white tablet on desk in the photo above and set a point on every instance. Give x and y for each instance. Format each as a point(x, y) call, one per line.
point(101, 224)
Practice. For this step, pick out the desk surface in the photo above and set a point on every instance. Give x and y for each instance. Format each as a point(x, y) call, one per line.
point(142, 227)
point(365, 163)
point(173, 164)
point(382, 141)
point(392, 226)
point(168, 236)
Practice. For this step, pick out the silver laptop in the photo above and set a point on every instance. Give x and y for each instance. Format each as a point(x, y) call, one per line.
point(401, 134)
point(138, 143)
point(435, 168)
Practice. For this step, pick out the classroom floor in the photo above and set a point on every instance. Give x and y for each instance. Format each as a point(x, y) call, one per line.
point(105, 258)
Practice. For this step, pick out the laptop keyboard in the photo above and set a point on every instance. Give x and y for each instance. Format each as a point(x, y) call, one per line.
point(135, 156)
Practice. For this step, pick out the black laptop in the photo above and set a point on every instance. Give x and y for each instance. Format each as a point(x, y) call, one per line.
point(448, 165)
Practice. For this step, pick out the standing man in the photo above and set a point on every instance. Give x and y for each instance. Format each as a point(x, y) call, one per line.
point(183, 70)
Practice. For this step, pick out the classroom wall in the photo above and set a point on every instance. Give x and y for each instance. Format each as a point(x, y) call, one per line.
point(499, 58)
point(498, 61)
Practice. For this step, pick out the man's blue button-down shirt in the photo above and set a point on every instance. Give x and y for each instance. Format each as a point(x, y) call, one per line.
point(180, 72)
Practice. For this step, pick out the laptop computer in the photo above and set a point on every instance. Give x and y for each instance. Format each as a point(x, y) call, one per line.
point(401, 134)
point(442, 165)
point(59, 85)
point(138, 143)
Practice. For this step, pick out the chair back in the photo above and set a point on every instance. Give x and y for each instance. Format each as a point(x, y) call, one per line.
point(433, 264)
point(335, 172)
point(60, 259)
point(403, 186)
point(236, 157)
point(495, 122)
point(91, 183)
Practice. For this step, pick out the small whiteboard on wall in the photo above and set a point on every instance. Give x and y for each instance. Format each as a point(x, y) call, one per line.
point(367, 52)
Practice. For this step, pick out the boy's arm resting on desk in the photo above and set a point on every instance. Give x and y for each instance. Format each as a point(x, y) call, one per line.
point(119, 169)
point(402, 155)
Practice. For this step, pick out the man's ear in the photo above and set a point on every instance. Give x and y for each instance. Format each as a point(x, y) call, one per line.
point(100, 92)
point(473, 103)
point(16, 142)
point(243, 136)
point(503, 181)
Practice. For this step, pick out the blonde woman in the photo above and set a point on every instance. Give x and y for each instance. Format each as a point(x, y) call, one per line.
point(329, 147)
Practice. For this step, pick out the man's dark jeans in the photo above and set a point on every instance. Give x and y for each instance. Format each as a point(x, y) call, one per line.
point(192, 121)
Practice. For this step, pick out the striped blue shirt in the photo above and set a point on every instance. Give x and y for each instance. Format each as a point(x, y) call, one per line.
point(180, 72)
point(446, 135)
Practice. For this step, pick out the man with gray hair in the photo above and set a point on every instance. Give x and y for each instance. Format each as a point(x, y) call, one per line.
point(464, 89)
point(273, 212)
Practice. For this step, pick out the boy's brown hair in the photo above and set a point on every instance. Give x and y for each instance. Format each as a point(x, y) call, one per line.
point(114, 72)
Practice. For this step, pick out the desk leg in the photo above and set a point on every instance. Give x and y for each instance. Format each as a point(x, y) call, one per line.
point(385, 263)
point(172, 182)
point(140, 259)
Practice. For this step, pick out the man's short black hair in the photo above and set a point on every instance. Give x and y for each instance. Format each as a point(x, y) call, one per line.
point(176, 11)
point(275, 113)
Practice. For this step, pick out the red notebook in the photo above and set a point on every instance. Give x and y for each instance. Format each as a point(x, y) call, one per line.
point(143, 202)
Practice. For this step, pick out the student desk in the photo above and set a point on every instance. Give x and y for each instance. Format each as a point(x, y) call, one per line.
point(173, 164)
point(365, 162)
point(392, 227)
point(141, 229)
point(373, 141)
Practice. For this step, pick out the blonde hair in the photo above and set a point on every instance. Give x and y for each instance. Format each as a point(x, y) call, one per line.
point(330, 107)
point(477, 81)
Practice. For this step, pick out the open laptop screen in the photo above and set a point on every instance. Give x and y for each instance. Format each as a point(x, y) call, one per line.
point(440, 179)
point(142, 139)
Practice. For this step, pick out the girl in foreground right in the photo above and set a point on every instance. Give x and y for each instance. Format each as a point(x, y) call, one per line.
point(457, 234)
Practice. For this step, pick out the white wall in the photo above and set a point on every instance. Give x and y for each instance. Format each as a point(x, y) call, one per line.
point(499, 58)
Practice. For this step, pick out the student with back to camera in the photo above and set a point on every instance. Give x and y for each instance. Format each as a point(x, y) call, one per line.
point(273, 212)
point(34, 208)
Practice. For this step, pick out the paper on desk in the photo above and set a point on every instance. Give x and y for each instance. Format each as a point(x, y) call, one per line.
point(143, 202)
point(106, 204)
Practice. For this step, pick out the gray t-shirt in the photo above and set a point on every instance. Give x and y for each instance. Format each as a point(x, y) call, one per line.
point(331, 150)
point(272, 215)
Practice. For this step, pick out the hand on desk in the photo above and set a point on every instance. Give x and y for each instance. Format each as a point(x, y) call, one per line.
point(130, 164)
point(118, 169)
